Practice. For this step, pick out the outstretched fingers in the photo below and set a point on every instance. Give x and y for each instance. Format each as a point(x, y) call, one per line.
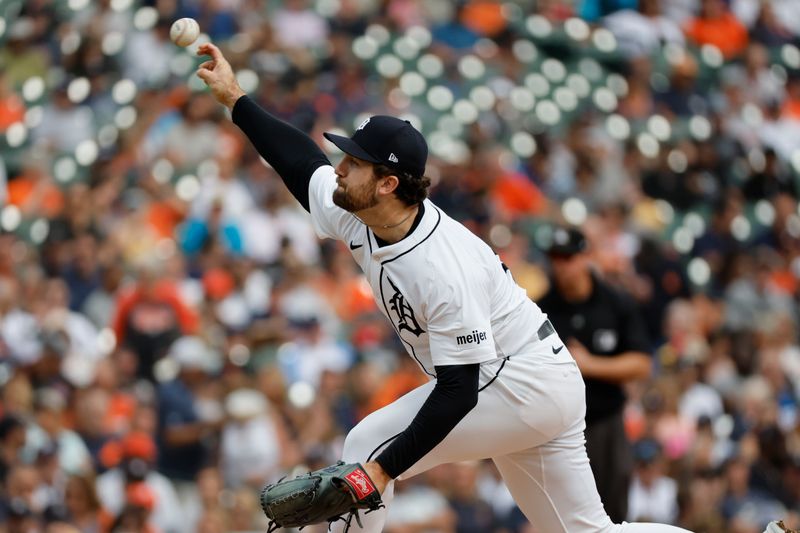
point(218, 75)
point(206, 68)
point(210, 49)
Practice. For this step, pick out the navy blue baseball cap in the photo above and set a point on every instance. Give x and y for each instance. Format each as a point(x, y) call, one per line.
point(566, 241)
point(388, 141)
point(646, 450)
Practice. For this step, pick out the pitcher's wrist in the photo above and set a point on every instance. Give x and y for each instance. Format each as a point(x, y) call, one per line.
point(233, 97)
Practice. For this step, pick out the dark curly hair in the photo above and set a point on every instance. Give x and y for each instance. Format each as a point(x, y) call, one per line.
point(411, 190)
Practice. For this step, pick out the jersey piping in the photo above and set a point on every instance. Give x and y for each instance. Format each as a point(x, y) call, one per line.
point(496, 375)
point(438, 220)
point(382, 444)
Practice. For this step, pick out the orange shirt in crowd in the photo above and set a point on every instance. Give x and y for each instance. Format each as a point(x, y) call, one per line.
point(791, 109)
point(354, 298)
point(164, 292)
point(163, 218)
point(135, 444)
point(120, 413)
point(350, 295)
point(516, 195)
point(23, 192)
point(484, 17)
point(785, 281)
point(395, 386)
point(11, 110)
point(725, 32)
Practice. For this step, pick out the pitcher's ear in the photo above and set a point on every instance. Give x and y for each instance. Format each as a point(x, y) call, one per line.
point(388, 184)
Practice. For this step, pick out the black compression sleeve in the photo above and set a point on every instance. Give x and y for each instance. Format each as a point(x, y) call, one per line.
point(455, 394)
point(292, 153)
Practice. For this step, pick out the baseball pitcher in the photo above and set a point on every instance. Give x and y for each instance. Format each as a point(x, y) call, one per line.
point(502, 384)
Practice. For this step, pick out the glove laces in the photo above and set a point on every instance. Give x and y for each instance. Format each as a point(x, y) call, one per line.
point(274, 526)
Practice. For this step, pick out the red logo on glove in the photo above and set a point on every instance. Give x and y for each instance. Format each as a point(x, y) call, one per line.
point(361, 483)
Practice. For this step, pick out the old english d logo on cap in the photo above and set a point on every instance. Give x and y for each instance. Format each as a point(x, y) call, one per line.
point(386, 140)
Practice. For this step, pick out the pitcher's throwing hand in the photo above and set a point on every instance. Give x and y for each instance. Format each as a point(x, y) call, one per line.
point(219, 76)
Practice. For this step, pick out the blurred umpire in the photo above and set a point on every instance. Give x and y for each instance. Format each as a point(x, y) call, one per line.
point(606, 335)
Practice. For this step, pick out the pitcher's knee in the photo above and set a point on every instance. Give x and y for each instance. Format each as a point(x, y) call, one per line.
point(359, 444)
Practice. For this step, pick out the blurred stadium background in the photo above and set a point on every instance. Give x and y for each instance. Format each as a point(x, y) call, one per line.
point(172, 334)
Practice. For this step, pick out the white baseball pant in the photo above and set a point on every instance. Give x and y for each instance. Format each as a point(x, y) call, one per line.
point(529, 420)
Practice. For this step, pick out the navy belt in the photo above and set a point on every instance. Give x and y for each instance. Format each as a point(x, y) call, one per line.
point(545, 330)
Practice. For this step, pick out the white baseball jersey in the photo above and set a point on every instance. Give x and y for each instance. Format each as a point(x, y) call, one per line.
point(449, 297)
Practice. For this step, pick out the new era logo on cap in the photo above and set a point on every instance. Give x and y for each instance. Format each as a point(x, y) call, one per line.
point(407, 149)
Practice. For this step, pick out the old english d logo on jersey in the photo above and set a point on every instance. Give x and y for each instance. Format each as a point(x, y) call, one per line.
point(432, 299)
point(404, 315)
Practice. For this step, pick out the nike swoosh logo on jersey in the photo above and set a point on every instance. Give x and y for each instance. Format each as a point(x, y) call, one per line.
point(556, 350)
point(355, 246)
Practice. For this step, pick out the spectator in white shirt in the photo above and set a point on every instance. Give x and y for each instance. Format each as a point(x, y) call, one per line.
point(652, 497)
point(19, 329)
point(297, 26)
point(253, 440)
point(64, 124)
point(641, 32)
point(49, 431)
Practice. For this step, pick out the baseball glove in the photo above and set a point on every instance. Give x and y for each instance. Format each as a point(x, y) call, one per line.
point(333, 493)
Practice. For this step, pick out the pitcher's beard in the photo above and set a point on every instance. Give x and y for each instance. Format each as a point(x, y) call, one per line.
point(355, 200)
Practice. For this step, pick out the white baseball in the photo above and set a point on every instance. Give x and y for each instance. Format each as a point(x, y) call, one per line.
point(184, 31)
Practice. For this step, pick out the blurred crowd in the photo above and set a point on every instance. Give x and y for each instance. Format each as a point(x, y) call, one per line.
point(173, 334)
